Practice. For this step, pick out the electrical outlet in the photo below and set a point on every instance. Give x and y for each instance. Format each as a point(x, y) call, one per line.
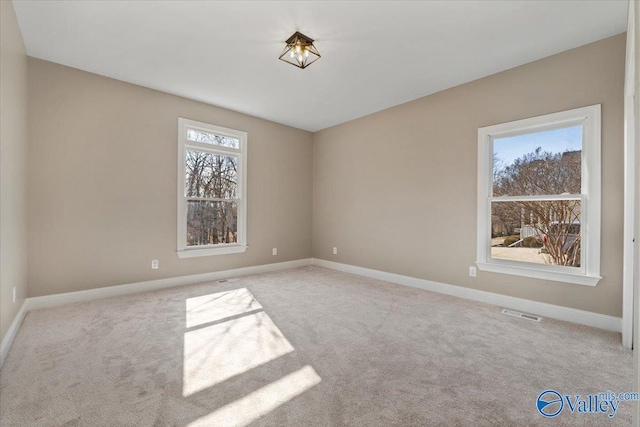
point(472, 271)
point(274, 251)
point(335, 250)
point(14, 294)
point(155, 264)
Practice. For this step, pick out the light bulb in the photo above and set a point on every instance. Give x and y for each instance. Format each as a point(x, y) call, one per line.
point(292, 54)
point(306, 53)
point(300, 58)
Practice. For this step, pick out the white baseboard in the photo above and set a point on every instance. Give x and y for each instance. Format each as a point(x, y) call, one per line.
point(596, 320)
point(55, 300)
point(11, 332)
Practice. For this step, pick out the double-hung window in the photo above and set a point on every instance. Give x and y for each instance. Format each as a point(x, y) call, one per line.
point(539, 197)
point(212, 189)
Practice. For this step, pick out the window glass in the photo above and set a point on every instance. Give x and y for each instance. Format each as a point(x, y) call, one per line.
point(211, 138)
point(211, 223)
point(211, 175)
point(540, 232)
point(540, 163)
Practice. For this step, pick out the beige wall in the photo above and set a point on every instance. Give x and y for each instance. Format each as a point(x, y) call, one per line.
point(103, 178)
point(396, 190)
point(13, 172)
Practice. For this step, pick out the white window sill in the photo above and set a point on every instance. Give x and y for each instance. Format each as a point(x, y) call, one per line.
point(557, 276)
point(198, 252)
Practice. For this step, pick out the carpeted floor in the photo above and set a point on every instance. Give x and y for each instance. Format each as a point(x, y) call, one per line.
point(302, 347)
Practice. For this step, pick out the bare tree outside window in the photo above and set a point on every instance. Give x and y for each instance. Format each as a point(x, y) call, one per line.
point(214, 178)
point(550, 229)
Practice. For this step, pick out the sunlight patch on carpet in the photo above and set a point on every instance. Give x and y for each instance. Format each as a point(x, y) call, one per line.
point(246, 410)
point(214, 307)
point(218, 352)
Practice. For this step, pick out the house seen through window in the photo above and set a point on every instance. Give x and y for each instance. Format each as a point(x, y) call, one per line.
point(536, 165)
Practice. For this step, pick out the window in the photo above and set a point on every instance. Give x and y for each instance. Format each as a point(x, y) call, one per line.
point(539, 197)
point(212, 190)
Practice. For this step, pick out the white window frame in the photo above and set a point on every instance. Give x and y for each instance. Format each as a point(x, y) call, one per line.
point(589, 271)
point(184, 144)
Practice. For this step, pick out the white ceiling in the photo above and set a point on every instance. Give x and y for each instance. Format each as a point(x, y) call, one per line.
point(374, 54)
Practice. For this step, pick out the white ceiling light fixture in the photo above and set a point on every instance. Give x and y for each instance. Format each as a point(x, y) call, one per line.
point(300, 51)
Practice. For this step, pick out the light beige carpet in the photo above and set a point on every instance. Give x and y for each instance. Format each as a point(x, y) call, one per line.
point(303, 347)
